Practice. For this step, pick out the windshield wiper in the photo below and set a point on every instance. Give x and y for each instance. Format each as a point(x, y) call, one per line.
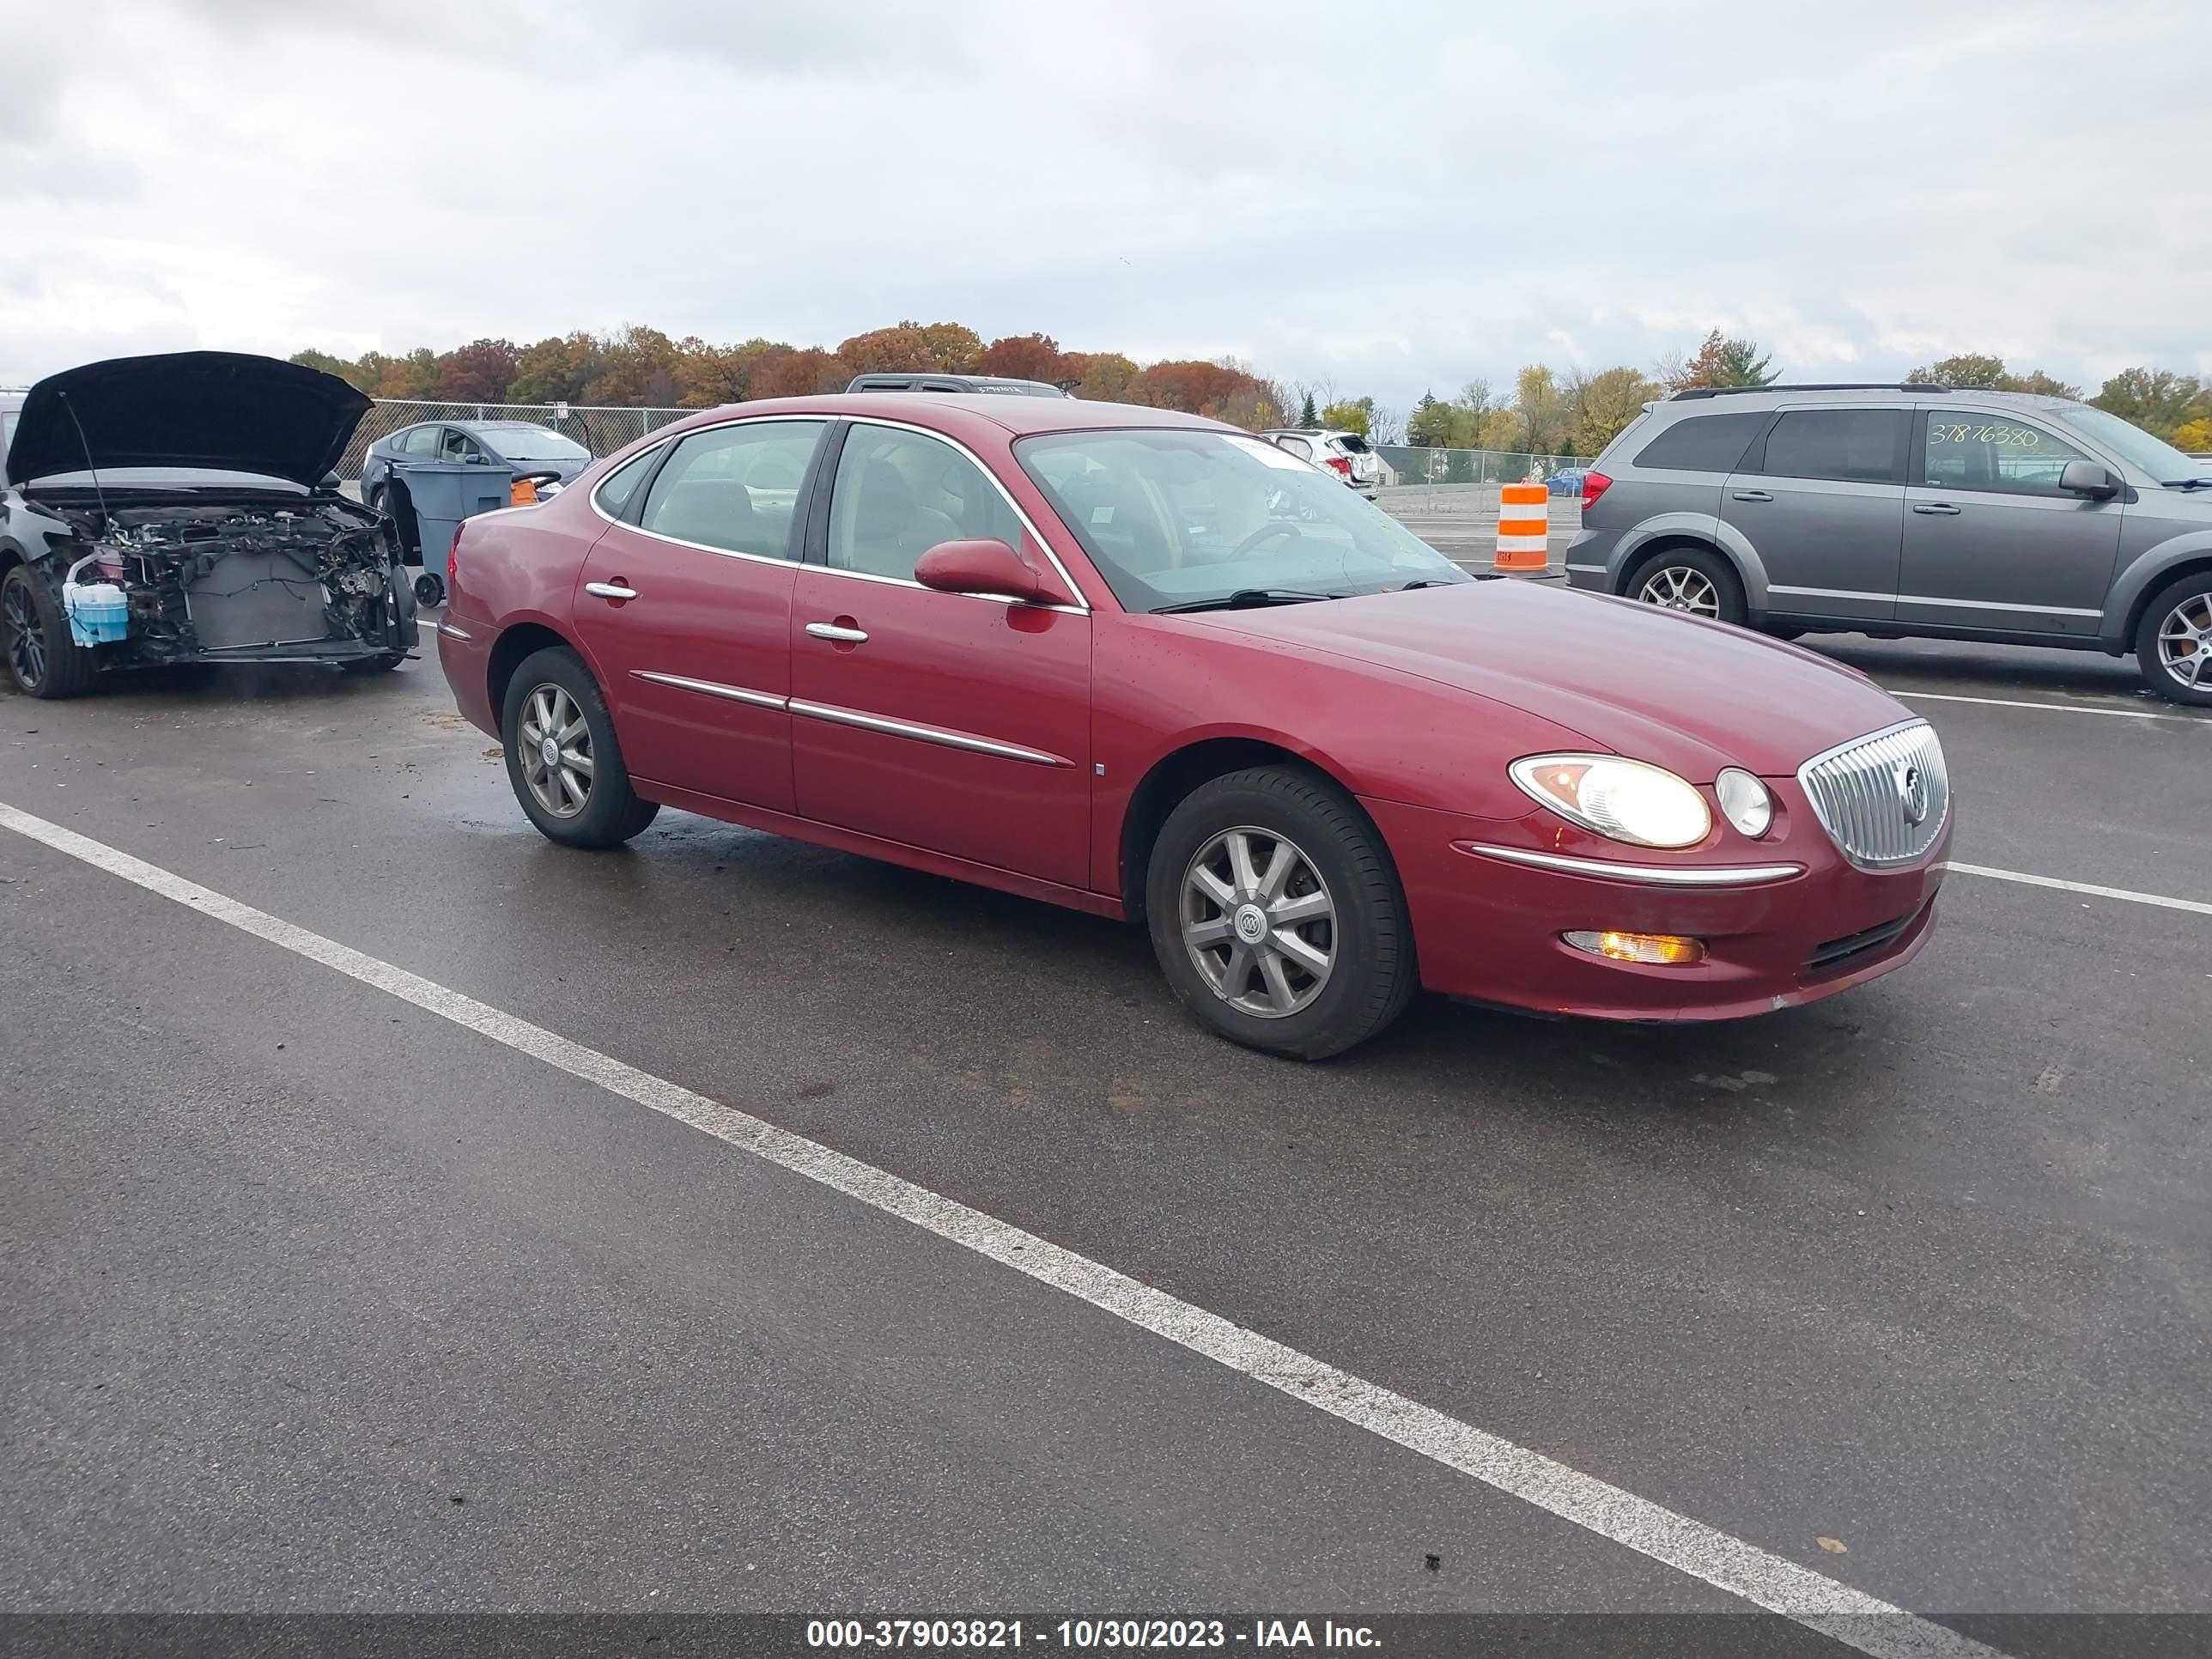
point(2187, 484)
point(1247, 599)
point(1407, 588)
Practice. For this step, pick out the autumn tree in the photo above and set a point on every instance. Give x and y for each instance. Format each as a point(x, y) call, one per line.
point(312, 358)
point(2156, 399)
point(801, 374)
point(1982, 372)
point(1720, 362)
point(1349, 414)
point(1109, 377)
point(2193, 437)
point(1542, 411)
point(477, 373)
point(1605, 403)
point(1026, 357)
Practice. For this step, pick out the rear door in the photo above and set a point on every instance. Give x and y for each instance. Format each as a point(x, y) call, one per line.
point(943, 721)
point(1820, 499)
point(1990, 541)
point(685, 607)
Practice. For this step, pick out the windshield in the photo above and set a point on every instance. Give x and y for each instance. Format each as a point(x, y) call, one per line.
point(534, 443)
point(2135, 445)
point(1173, 517)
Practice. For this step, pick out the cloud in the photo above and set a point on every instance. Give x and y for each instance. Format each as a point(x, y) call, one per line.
point(1410, 196)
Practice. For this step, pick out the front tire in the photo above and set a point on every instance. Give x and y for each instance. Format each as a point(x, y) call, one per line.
point(43, 660)
point(1276, 915)
point(2173, 642)
point(1692, 580)
point(563, 759)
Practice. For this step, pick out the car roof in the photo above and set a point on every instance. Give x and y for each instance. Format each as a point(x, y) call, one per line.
point(951, 410)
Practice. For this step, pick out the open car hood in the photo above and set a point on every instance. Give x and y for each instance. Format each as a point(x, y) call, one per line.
point(188, 409)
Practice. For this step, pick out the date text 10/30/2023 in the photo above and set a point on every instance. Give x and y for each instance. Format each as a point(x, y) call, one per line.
point(1085, 1634)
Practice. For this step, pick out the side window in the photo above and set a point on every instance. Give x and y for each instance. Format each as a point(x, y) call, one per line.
point(619, 489)
point(733, 487)
point(457, 445)
point(1703, 443)
point(419, 440)
point(1854, 445)
point(1298, 447)
point(1968, 450)
point(899, 493)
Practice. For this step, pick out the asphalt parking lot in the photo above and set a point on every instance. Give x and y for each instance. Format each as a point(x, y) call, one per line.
point(328, 1291)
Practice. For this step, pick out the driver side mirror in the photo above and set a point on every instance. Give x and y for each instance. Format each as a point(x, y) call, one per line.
point(2087, 478)
point(990, 568)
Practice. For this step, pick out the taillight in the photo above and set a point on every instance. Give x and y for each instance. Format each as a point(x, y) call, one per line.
point(454, 556)
point(1341, 463)
point(1595, 484)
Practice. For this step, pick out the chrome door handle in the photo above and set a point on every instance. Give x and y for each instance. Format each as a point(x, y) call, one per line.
point(1751, 496)
point(1939, 509)
point(610, 590)
point(843, 635)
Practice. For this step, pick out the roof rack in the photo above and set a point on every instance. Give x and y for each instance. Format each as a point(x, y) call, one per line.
point(1688, 393)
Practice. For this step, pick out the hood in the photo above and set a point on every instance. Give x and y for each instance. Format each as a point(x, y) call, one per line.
point(188, 409)
point(1690, 695)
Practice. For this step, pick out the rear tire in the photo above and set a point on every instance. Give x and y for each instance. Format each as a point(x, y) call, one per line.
point(1693, 579)
point(578, 792)
point(1274, 863)
point(2173, 642)
point(43, 660)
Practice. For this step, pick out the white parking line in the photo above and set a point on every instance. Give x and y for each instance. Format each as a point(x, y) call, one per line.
point(2197, 906)
point(1729, 1563)
point(2056, 708)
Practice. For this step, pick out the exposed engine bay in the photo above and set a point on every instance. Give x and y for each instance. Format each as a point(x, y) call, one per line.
point(257, 581)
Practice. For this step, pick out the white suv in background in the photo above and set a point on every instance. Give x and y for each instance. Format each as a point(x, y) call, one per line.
point(1345, 453)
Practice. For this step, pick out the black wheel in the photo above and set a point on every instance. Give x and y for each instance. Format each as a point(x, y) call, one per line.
point(1695, 580)
point(42, 660)
point(374, 500)
point(370, 665)
point(1276, 915)
point(2173, 642)
point(429, 589)
point(561, 757)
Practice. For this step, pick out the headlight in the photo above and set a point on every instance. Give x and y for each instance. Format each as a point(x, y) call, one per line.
point(1744, 801)
point(1624, 800)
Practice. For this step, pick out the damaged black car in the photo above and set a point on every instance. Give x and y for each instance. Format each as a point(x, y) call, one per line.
point(182, 508)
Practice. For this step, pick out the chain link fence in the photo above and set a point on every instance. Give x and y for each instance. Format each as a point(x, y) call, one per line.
point(1443, 481)
point(600, 430)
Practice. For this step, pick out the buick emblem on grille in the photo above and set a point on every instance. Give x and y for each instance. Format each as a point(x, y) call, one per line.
point(1911, 791)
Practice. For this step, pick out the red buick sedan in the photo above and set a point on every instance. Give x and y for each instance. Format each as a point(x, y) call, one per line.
point(1147, 665)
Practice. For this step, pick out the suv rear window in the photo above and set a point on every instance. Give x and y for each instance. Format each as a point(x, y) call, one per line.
point(1703, 443)
point(1352, 443)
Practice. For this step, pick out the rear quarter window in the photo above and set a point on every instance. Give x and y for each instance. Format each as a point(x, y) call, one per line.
point(1701, 443)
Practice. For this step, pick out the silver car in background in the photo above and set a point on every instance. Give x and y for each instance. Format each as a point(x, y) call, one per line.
point(1345, 453)
point(1896, 510)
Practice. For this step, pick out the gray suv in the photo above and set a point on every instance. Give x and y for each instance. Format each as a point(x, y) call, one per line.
point(1895, 510)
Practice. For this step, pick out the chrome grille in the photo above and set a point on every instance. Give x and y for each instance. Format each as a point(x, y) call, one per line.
point(1864, 792)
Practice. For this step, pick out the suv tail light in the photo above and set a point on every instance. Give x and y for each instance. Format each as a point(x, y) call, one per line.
point(1595, 484)
point(1341, 464)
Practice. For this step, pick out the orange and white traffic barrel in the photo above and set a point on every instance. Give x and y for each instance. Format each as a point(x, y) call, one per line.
point(1524, 528)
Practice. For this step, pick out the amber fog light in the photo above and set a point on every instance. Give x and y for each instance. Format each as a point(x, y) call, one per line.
point(1658, 950)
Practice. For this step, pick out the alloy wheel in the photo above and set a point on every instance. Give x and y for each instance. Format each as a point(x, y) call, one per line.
point(556, 751)
point(27, 636)
point(1259, 923)
point(1681, 588)
point(2184, 641)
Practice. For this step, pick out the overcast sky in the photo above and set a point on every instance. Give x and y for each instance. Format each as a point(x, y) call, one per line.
point(1380, 197)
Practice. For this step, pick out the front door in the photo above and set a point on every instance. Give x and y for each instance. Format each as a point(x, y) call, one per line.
point(956, 724)
point(686, 608)
point(1822, 503)
point(1991, 541)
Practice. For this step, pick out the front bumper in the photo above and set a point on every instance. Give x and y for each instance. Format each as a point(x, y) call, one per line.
point(1488, 928)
